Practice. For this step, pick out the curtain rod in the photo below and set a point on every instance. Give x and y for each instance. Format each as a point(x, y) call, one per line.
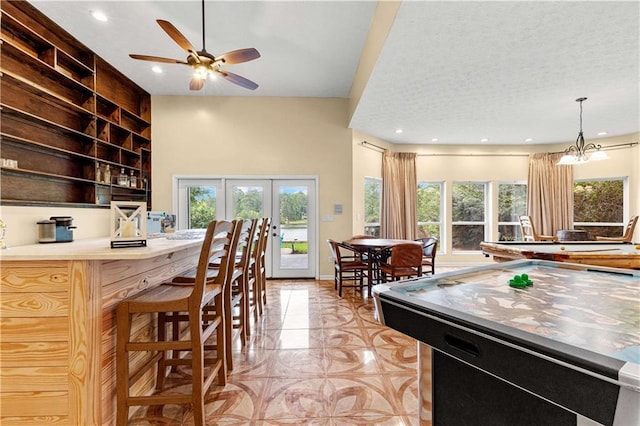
point(472, 155)
point(365, 144)
point(607, 147)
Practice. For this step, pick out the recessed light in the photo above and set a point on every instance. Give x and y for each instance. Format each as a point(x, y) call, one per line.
point(528, 140)
point(434, 140)
point(99, 15)
point(484, 140)
point(398, 131)
point(602, 133)
point(156, 69)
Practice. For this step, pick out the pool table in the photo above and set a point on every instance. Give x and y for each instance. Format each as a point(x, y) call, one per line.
point(615, 255)
point(563, 351)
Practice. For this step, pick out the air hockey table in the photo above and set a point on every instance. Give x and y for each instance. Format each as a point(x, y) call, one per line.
point(614, 255)
point(563, 351)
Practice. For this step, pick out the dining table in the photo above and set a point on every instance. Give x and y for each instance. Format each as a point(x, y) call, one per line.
point(376, 249)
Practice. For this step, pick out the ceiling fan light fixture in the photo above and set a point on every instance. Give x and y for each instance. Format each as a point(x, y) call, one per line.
point(202, 62)
point(200, 71)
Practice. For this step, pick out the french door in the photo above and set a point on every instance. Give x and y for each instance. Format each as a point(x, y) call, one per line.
point(291, 203)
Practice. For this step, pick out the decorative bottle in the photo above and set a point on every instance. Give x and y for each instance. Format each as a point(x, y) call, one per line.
point(107, 175)
point(123, 179)
point(133, 181)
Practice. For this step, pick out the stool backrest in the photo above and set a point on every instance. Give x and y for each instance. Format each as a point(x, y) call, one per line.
point(219, 247)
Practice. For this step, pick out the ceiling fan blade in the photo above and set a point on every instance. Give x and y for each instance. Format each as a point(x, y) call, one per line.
point(239, 80)
point(157, 59)
point(239, 56)
point(196, 83)
point(177, 36)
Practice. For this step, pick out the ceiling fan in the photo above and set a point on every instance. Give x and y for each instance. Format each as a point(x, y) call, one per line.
point(202, 61)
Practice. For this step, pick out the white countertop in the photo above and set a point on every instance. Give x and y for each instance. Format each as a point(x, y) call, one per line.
point(95, 249)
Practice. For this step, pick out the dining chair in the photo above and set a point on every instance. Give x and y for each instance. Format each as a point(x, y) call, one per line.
point(529, 232)
point(627, 237)
point(429, 248)
point(177, 303)
point(348, 266)
point(405, 261)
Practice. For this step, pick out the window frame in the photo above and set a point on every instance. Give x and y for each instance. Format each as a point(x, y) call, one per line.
point(441, 214)
point(497, 214)
point(625, 202)
point(487, 214)
point(378, 181)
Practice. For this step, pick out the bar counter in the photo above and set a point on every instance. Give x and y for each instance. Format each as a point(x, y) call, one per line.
point(57, 324)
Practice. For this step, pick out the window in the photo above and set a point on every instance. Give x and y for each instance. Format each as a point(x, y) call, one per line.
point(598, 206)
point(202, 206)
point(468, 214)
point(429, 202)
point(372, 201)
point(512, 203)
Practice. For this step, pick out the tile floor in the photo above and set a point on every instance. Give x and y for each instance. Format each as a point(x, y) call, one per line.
point(312, 359)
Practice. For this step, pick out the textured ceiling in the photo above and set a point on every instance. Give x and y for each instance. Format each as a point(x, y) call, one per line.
point(455, 71)
point(506, 71)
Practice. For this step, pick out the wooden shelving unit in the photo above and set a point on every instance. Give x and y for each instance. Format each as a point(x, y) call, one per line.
point(67, 115)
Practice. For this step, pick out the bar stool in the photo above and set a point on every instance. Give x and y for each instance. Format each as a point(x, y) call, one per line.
point(259, 271)
point(188, 302)
point(235, 290)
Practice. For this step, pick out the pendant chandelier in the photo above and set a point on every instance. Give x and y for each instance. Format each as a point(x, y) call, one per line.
point(578, 153)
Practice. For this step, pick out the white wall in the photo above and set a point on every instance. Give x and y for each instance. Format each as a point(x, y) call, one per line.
point(257, 136)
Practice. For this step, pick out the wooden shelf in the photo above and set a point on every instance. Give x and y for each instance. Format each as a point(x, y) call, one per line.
point(9, 139)
point(66, 114)
point(9, 110)
point(48, 96)
point(43, 74)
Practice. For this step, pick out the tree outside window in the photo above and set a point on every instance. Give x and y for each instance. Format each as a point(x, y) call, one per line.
point(202, 206)
point(512, 203)
point(247, 202)
point(598, 206)
point(429, 209)
point(372, 202)
point(468, 214)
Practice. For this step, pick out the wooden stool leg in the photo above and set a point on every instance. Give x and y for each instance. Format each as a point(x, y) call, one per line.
point(122, 363)
point(162, 336)
point(197, 371)
point(228, 329)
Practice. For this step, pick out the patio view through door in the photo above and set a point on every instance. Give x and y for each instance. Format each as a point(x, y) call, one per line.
point(291, 203)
